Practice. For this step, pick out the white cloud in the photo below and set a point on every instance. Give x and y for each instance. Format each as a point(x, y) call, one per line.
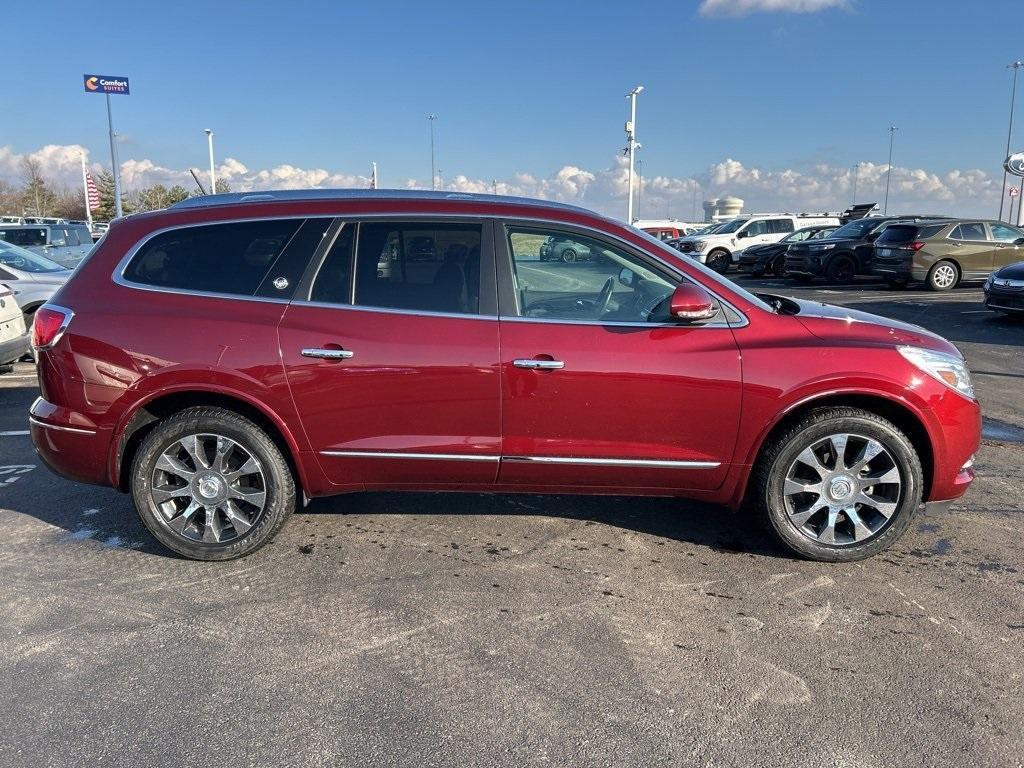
point(745, 7)
point(969, 192)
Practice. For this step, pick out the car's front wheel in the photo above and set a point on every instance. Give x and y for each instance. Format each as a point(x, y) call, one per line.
point(210, 484)
point(841, 484)
point(719, 261)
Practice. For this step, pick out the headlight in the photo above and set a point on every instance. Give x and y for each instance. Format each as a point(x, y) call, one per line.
point(827, 247)
point(700, 245)
point(949, 369)
point(989, 281)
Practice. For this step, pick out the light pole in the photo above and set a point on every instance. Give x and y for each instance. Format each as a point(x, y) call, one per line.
point(631, 146)
point(888, 170)
point(433, 174)
point(1009, 131)
point(856, 176)
point(213, 176)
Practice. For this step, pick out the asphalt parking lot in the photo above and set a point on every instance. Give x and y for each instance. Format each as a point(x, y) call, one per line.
point(472, 630)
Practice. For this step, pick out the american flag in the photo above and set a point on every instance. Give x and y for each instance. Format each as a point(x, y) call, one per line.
point(91, 191)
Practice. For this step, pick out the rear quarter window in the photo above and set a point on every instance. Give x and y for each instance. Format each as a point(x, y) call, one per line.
point(898, 233)
point(213, 258)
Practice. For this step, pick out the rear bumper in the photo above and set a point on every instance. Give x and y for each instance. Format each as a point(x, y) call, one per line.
point(13, 349)
point(68, 443)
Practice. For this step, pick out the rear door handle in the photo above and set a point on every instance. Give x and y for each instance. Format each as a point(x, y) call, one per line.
point(328, 354)
point(541, 365)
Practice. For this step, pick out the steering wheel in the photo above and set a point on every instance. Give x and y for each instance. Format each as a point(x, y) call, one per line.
point(604, 298)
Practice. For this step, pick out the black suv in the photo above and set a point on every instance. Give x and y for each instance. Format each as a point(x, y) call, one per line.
point(843, 254)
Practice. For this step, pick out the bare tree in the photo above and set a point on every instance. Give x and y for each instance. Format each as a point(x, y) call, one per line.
point(36, 194)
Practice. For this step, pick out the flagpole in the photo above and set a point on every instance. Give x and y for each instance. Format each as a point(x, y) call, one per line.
point(85, 191)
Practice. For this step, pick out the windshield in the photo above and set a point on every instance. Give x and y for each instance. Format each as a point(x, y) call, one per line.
point(712, 276)
point(856, 229)
point(18, 258)
point(730, 226)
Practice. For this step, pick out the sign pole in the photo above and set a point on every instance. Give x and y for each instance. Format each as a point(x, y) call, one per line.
point(85, 191)
point(1020, 201)
point(114, 160)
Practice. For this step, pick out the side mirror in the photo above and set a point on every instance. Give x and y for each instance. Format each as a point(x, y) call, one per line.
point(692, 303)
point(743, 233)
point(872, 236)
point(626, 276)
point(1019, 241)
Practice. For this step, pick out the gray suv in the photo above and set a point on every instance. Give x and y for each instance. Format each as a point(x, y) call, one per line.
point(66, 244)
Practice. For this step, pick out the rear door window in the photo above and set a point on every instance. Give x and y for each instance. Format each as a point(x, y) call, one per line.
point(897, 233)
point(780, 226)
point(973, 231)
point(419, 266)
point(229, 259)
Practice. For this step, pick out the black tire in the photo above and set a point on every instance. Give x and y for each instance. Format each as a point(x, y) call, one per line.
point(770, 473)
point(568, 255)
point(279, 485)
point(719, 260)
point(840, 269)
point(943, 276)
point(778, 267)
point(897, 285)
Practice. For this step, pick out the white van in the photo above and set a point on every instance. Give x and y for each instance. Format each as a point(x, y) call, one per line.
point(723, 248)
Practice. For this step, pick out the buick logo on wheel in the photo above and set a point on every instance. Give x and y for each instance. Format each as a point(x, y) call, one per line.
point(1015, 164)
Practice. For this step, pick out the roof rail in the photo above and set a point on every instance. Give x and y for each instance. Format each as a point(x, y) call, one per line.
point(236, 198)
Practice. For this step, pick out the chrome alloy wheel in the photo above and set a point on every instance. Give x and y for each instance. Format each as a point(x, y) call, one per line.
point(208, 488)
point(944, 276)
point(842, 489)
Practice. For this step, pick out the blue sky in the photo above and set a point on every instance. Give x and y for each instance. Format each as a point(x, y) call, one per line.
point(529, 88)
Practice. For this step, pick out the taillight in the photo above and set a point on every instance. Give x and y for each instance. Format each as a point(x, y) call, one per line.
point(49, 324)
point(917, 245)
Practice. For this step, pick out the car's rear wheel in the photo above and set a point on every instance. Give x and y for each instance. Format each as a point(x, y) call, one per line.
point(719, 261)
point(943, 276)
point(841, 269)
point(841, 484)
point(210, 484)
point(568, 255)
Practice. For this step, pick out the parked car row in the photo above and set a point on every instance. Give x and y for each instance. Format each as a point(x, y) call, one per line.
point(96, 230)
point(725, 245)
point(66, 244)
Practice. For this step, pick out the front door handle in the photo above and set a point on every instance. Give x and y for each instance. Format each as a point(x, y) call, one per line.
point(539, 365)
point(328, 354)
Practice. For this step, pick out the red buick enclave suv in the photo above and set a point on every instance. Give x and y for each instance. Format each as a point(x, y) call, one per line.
point(222, 358)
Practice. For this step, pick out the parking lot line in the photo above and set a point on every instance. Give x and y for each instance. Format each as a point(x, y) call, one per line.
point(14, 433)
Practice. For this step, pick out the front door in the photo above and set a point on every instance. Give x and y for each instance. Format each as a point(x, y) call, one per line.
point(599, 388)
point(1007, 249)
point(392, 365)
point(970, 246)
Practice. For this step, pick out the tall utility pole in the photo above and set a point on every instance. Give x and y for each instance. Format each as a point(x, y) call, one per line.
point(631, 146)
point(213, 175)
point(1009, 132)
point(856, 175)
point(494, 185)
point(640, 186)
point(888, 170)
point(433, 174)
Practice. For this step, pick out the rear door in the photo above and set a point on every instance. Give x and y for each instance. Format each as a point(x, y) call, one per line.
point(599, 388)
point(391, 353)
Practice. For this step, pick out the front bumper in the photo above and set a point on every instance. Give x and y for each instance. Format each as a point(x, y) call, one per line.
point(1001, 300)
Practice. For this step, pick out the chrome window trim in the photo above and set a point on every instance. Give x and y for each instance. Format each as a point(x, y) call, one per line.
point(58, 428)
point(405, 455)
point(118, 274)
point(391, 311)
point(615, 323)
